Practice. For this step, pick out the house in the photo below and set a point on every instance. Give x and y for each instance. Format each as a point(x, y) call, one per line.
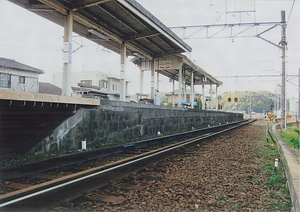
point(170, 96)
point(48, 88)
point(94, 84)
point(18, 77)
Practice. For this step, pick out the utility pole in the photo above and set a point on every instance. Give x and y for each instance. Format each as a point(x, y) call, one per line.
point(283, 44)
point(299, 94)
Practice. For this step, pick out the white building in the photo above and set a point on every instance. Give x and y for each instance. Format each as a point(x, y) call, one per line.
point(94, 84)
point(292, 107)
point(18, 77)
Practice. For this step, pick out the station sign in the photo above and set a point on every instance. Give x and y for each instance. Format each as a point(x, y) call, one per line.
point(165, 64)
point(168, 63)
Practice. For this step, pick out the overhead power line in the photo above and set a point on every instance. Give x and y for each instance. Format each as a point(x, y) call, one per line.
point(291, 10)
point(257, 76)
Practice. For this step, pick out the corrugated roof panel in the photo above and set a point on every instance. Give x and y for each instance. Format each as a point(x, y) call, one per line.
point(120, 20)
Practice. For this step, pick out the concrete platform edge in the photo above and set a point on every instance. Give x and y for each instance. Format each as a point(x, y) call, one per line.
point(292, 169)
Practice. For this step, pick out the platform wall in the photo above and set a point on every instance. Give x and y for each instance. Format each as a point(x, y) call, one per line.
point(121, 122)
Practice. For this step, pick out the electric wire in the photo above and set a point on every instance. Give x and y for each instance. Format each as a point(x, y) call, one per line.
point(291, 10)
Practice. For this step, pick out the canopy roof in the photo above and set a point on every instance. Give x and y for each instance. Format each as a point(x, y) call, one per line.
point(169, 66)
point(112, 22)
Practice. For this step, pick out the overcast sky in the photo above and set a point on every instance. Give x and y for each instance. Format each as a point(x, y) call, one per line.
point(37, 42)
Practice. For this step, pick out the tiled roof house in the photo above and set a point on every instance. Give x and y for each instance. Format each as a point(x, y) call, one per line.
point(17, 76)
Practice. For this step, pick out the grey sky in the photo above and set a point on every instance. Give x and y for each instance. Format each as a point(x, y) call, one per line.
point(32, 40)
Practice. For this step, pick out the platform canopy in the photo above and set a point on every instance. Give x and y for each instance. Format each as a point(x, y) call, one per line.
point(169, 66)
point(109, 23)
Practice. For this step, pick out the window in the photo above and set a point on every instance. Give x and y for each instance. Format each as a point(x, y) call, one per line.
point(21, 80)
point(5, 80)
point(86, 82)
point(115, 88)
point(103, 83)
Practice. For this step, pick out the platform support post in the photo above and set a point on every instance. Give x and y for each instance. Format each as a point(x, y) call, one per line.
point(192, 94)
point(203, 97)
point(67, 56)
point(157, 83)
point(217, 100)
point(173, 93)
point(141, 81)
point(180, 87)
point(211, 97)
point(122, 72)
point(152, 80)
point(184, 87)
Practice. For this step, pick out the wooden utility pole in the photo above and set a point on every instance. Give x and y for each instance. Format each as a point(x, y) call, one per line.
point(283, 44)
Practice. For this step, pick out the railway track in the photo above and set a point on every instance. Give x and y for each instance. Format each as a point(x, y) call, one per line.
point(33, 186)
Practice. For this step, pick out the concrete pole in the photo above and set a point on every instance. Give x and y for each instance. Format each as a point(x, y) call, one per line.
point(283, 86)
point(217, 101)
point(192, 94)
point(203, 97)
point(67, 51)
point(299, 94)
point(180, 87)
point(141, 81)
point(123, 71)
point(152, 79)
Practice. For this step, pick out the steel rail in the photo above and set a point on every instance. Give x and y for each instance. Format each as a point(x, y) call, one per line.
point(67, 181)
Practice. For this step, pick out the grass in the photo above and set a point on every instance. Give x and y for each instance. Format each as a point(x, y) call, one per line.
point(275, 180)
point(292, 136)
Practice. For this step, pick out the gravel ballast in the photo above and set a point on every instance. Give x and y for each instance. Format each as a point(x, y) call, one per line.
point(229, 173)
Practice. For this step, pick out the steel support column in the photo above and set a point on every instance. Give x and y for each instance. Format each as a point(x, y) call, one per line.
point(67, 54)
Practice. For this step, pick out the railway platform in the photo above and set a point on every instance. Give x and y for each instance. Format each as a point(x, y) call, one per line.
point(291, 162)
